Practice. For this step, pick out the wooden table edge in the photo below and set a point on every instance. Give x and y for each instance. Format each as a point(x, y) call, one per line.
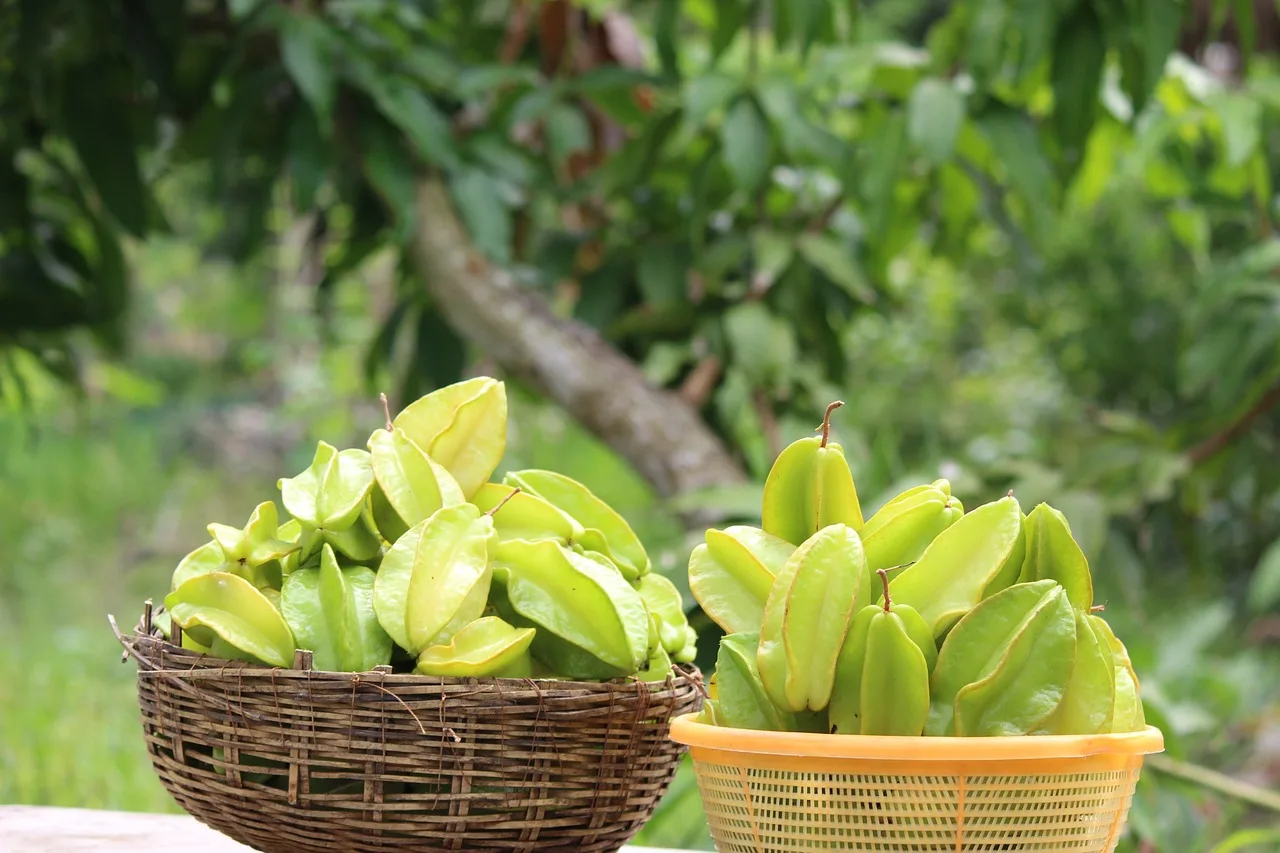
point(57, 829)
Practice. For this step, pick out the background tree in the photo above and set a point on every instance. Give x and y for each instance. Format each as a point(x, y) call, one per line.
point(619, 202)
point(693, 223)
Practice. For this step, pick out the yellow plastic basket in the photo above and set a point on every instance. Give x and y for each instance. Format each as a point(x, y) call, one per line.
point(776, 791)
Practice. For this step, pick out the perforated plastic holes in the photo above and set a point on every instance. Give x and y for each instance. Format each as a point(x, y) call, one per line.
point(764, 793)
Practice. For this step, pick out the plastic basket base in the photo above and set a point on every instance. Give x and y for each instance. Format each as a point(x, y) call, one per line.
point(759, 810)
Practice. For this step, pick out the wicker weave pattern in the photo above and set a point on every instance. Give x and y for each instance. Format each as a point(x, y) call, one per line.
point(295, 760)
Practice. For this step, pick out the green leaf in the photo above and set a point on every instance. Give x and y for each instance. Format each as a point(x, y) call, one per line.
point(763, 345)
point(985, 39)
point(404, 105)
point(567, 133)
point(748, 143)
point(1015, 144)
point(773, 253)
point(98, 123)
point(613, 90)
point(307, 51)
point(731, 17)
point(728, 502)
point(241, 9)
point(1259, 259)
point(439, 355)
point(781, 19)
point(883, 159)
point(1079, 55)
point(1247, 839)
point(480, 204)
point(1034, 21)
point(934, 115)
point(809, 21)
point(432, 66)
point(800, 136)
point(666, 20)
point(1264, 586)
point(661, 273)
point(420, 119)
point(945, 40)
point(391, 172)
point(896, 68)
point(1155, 35)
point(703, 177)
point(1191, 226)
point(478, 80)
point(827, 254)
point(610, 78)
point(532, 106)
point(503, 158)
point(664, 361)
point(705, 94)
point(1241, 117)
point(365, 237)
point(1245, 21)
point(110, 296)
point(308, 157)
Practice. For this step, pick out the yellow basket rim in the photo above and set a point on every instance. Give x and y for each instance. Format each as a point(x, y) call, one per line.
point(687, 730)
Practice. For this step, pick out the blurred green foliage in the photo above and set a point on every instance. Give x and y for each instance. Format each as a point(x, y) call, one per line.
point(1029, 246)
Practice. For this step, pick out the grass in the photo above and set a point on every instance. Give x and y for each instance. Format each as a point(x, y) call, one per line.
point(92, 524)
point(71, 734)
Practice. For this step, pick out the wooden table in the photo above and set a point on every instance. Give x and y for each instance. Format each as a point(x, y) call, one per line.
point(43, 829)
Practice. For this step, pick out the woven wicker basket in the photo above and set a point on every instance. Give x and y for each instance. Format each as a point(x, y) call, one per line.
point(301, 760)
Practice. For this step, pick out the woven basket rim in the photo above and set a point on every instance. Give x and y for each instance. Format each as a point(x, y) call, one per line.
point(136, 644)
point(686, 729)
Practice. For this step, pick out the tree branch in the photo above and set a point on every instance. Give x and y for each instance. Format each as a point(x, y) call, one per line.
point(1218, 442)
point(661, 436)
point(1220, 782)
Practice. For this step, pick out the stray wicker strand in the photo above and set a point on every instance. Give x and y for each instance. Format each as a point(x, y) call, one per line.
point(302, 760)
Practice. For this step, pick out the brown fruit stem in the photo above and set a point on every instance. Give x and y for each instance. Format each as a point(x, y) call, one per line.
point(386, 408)
point(884, 579)
point(826, 421)
point(1097, 608)
point(503, 502)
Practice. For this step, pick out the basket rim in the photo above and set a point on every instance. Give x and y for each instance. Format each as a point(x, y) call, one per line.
point(222, 668)
point(687, 730)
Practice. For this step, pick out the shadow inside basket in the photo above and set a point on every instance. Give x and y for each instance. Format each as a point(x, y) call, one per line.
point(304, 760)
